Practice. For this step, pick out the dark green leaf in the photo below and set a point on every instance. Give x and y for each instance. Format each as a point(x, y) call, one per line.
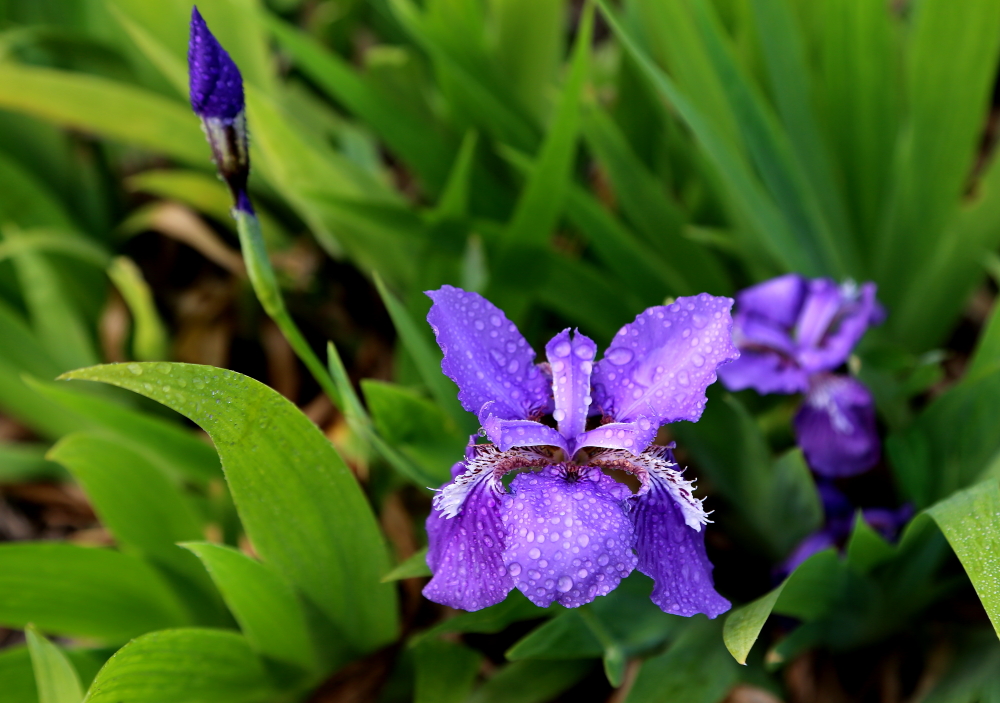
point(530, 681)
point(445, 672)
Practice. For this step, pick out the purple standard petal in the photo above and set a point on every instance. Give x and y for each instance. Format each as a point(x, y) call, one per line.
point(672, 553)
point(486, 356)
point(569, 538)
point(216, 86)
point(778, 300)
point(572, 361)
point(465, 552)
point(836, 427)
point(832, 321)
point(659, 366)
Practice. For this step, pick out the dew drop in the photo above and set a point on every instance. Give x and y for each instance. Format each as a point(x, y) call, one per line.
point(514, 568)
point(135, 368)
point(495, 320)
point(619, 356)
point(565, 583)
point(534, 552)
point(562, 349)
point(558, 414)
point(584, 352)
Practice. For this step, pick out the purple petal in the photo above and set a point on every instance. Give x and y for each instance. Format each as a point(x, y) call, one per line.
point(765, 372)
point(887, 522)
point(833, 320)
point(465, 552)
point(486, 356)
point(659, 365)
point(569, 538)
point(836, 427)
point(816, 542)
point(507, 434)
point(571, 361)
point(778, 299)
point(631, 436)
point(673, 555)
point(216, 86)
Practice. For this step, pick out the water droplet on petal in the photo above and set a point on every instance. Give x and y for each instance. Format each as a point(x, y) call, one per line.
point(562, 349)
point(514, 568)
point(619, 356)
point(565, 583)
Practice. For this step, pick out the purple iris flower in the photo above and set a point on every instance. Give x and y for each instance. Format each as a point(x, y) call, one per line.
point(839, 522)
point(792, 333)
point(216, 91)
point(564, 530)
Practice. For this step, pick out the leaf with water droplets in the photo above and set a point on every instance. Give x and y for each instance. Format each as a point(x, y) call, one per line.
point(301, 506)
point(970, 519)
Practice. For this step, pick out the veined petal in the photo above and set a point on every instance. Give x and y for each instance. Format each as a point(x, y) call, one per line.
point(486, 356)
point(833, 320)
point(508, 434)
point(465, 552)
point(572, 361)
point(673, 555)
point(659, 365)
point(569, 538)
point(633, 437)
point(836, 427)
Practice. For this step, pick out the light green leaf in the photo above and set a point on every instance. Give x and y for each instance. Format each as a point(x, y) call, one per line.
point(192, 665)
point(413, 566)
point(177, 451)
point(55, 676)
point(149, 340)
point(743, 625)
point(970, 520)
point(416, 427)
point(445, 672)
point(416, 341)
point(114, 110)
point(541, 201)
point(145, 512)
point(270, 614)
point(301, 506)
point(83, 592)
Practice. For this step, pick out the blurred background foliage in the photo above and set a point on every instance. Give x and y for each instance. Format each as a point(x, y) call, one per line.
point(573, 174)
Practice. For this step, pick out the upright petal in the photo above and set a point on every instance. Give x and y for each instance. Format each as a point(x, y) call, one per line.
point(673, 555)
point(569, 538)
point(465, 552)
point(216, 87)
point(836, 427)
point(659, 365)
point(832, 322)
point(486, 356)
point(777, 299)
point(572, 361)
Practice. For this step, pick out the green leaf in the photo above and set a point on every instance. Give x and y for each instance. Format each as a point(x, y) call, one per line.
point(541, 201)
point(145, 512)
point(17, 679)
point(417, 342)
point(695, 669)
point(646, 203)
point(149, 340)
point(949, 79)
point(416, 427)
point(970, 520)
point(806, 594)
point(418, 143)
point(55, 676)
point(866, 548)
point(530, 681)
point(301, 506)
point(493, 619)
point(24, 461)
point(26, 202)
point(567, 636)
point(270, 614)
point(83, 592)
point(413, 566)
point(445, 672)
point(193, 665)
point(113, 110)
point(178, 452)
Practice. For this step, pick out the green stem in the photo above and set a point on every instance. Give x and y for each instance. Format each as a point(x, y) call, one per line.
point(265, 285)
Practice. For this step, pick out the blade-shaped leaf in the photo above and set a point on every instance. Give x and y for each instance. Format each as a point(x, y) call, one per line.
point(83, 592)
point(193, 665)
point(445, 672)
point(55, 676)
point(269, 612)
point(301, 506)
